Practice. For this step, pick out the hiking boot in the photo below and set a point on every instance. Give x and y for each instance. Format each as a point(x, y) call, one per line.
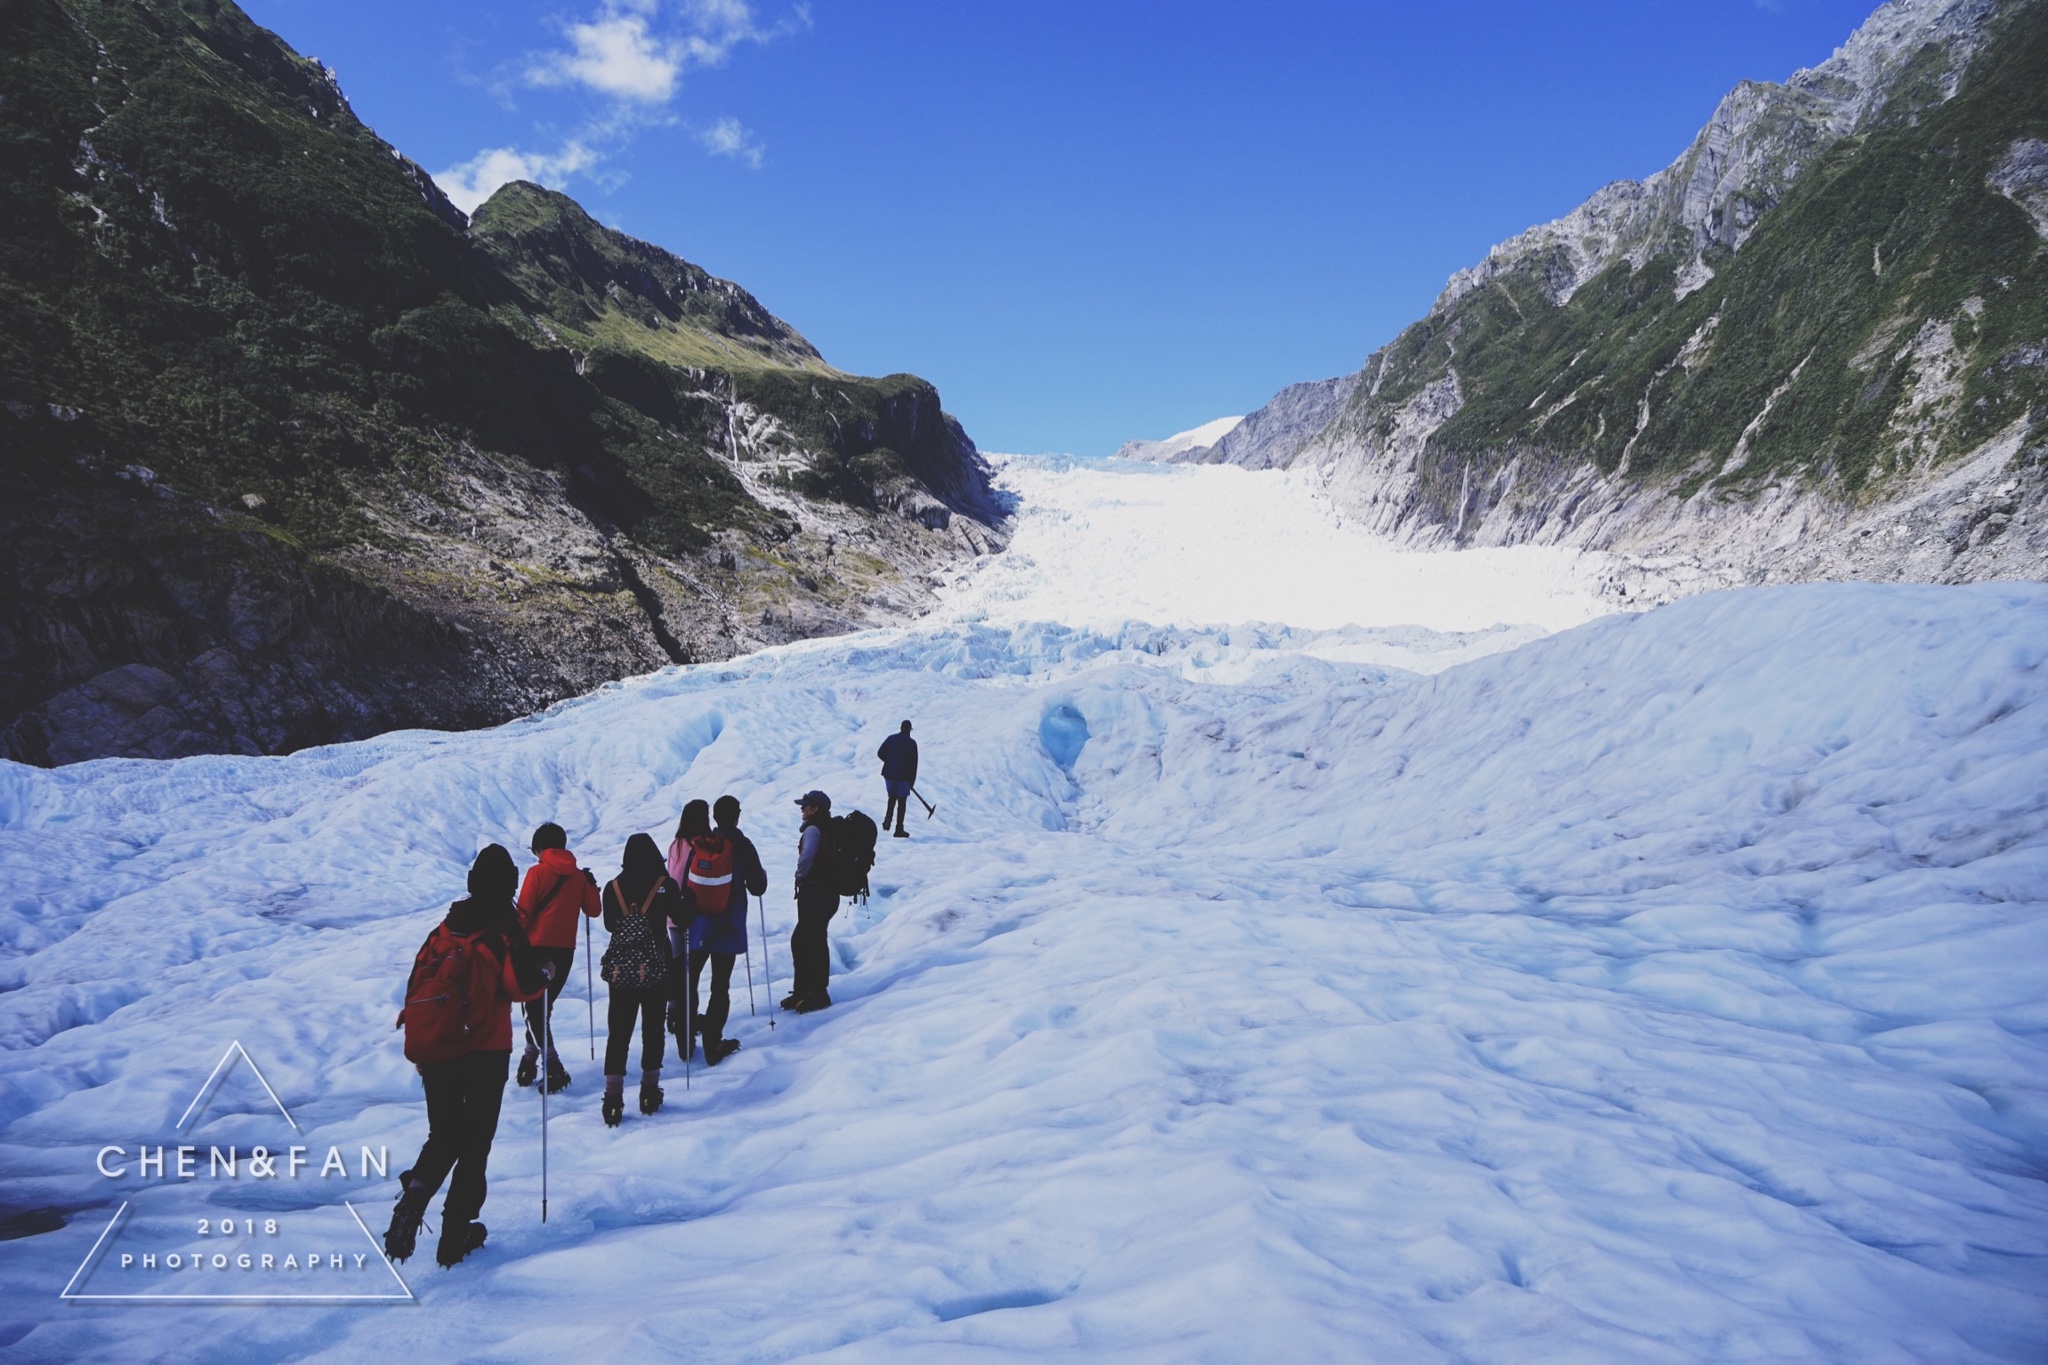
point(792, 1000)
point(717, 1050)
point(902, 833)
point(529, 1066)
point(558, 1075)
point(650, 1097)
point(405, 1222)
point(614, 1107)
point(459, 1237)
point(811, 1003)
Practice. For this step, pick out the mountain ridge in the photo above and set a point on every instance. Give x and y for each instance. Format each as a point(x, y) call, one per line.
point(1823, 314)
point(1183, 447)
point(272, 403)
point(552, 259)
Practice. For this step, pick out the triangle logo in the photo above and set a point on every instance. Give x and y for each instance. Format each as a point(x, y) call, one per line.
point(214, 1224)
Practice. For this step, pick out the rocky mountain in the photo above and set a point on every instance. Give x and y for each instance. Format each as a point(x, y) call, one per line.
point(1183, 447)
point(1816, 345)
point(297, 453)
point(1287, 421)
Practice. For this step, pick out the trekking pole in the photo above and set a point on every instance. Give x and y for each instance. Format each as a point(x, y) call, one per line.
point(751, 1011)
point(589, 991)
point(929, 809)
point(767, 964)
point(689, 1012)
point(547, 1031)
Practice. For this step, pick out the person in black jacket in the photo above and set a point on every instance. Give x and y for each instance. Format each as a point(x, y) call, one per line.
point(639, 905)
point(899, 774)
point(465, 1093)
point(817, 901)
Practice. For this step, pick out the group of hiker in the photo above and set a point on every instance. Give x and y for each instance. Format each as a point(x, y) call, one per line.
point(666, 917)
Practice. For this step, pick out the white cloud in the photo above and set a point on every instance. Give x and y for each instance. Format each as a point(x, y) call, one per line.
point(478, 178)
point(719, 26)
point(729, 137)
point(638, 49)
point(632, 55)
point(616, 54)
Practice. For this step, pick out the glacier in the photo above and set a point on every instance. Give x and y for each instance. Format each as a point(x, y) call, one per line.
point(1650, 986)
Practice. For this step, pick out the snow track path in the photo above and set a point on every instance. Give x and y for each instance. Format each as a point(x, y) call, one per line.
point(1669, 989)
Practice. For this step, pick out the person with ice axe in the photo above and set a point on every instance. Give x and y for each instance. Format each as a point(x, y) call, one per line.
point(899, 774)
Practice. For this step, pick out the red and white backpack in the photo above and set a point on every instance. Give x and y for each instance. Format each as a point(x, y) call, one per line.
point(709, 875)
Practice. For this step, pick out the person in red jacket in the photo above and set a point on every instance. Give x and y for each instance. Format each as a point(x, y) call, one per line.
point(554, 890)
point(465, 1092)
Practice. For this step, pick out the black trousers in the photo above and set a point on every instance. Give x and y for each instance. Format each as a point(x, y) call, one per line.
point(463, 1099)
point(542, 1011)
point(810, 960)
point(712, 1017)
point(651, 1004)
point(894, 811)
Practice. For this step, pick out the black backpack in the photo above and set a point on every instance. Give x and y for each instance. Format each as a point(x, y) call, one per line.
point(853, 853)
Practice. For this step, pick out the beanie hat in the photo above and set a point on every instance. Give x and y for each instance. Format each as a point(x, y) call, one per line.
point(493, 876)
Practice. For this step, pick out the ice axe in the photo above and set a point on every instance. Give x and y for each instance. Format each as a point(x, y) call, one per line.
point(929, 809)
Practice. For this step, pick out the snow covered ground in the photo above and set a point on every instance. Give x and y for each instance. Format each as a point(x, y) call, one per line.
point(1104, 542)
point(1669, 988)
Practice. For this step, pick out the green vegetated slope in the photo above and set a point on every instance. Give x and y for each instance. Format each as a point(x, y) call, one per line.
point(299, 455)
point(552, 264)
point(1888, 315)
point(686, 349)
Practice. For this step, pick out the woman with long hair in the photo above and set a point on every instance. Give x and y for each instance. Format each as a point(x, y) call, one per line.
point(694, 823)
point(719, 868)
point(639, 906)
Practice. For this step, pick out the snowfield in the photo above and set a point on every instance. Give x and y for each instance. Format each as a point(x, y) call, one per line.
point(1670, 988)
point(1105, 542)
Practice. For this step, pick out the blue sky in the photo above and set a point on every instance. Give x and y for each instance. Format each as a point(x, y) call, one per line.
point(1084, 222)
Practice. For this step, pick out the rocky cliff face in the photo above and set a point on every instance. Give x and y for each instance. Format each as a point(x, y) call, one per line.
point(299, 453)
point(1811, 347)
point(1270, 437)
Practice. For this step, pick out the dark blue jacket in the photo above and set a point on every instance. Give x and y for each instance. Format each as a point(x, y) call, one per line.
point(899, 758)
point(727, 932)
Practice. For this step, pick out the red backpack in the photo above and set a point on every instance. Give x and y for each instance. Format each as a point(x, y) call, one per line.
point(450, 997)
point(710, 874)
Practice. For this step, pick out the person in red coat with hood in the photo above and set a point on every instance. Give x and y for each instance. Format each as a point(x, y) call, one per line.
point(465, 1079)
point(554, 891)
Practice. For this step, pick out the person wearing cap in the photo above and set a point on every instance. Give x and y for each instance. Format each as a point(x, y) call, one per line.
point(817, 901)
